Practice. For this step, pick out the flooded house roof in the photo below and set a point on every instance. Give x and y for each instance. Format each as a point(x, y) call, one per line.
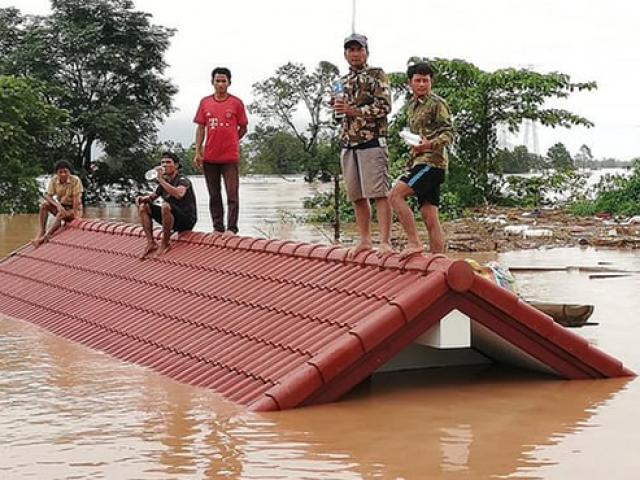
point(270, 324)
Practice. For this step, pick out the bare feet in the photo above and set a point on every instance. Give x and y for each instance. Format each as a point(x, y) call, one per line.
point(151, 247)
point(164, 248)
point(384, 249)
point(411, 250)
point(360, 247)
point(228, 233)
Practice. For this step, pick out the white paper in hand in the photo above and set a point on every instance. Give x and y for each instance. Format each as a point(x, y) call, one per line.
point(409, 138)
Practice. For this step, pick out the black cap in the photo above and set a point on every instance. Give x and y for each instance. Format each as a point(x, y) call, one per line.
point(356, 38)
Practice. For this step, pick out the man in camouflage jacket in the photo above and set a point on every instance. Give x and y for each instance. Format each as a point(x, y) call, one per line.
point(429, 117)
point(364, 157)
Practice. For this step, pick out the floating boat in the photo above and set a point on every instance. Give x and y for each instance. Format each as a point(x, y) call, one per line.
point(566, 314)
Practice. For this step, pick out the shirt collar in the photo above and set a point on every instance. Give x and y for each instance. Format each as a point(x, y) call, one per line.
point(420, 100)
point(353, 71)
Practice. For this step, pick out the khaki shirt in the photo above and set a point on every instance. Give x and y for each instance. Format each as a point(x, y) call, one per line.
point(429, 117)
point(368, 91)
point(65, 191)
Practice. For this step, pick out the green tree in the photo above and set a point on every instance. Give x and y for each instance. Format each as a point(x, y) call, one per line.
point(584, 158)
point(294, 100)
point(482, 101)
point(127, 170)
point(278, 102)
point(274, 151)
point(102, 61)
point(29, 126)
point(518, 160)
point(615, 194)
point(559, 157)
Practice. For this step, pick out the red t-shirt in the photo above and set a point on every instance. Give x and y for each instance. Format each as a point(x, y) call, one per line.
point(221, 119)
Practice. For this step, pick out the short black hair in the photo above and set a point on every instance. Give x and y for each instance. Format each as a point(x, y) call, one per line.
point(171, 155)
point(422, 68)
point(60, 164)
point(221, 71)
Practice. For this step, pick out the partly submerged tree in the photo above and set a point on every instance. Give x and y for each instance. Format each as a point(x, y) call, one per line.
point(584, 157)
point(295, 100)
point(103, 62)
point(481, 102)
point(559, 157)
point(270, 150)
point(518, 160)
point(29, 127)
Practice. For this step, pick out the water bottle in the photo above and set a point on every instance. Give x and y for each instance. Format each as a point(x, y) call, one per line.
point(338, 95)
point(152, 174)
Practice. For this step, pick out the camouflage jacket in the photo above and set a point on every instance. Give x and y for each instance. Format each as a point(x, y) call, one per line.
point(429, 117)
point(367, 90)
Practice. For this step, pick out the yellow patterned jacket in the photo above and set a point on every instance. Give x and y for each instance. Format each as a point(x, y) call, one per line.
point(429, 117)
point(368, 91)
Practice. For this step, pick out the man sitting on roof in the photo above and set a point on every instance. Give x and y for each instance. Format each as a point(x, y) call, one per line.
point(177, 211)
point(63, 199)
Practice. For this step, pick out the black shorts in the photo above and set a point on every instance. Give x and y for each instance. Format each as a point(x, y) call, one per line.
point(181, 221)
point(425, 181)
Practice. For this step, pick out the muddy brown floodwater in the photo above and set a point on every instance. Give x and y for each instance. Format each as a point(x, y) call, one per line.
point(68, 412)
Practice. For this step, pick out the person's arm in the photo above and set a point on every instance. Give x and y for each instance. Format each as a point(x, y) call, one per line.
point(77, 205)
point(147, 198)
point(197, 159)
point(381, 93)
point(50, 196)
point(176, 192)
point(201, 120)
point(243, 121)
point(443, 134)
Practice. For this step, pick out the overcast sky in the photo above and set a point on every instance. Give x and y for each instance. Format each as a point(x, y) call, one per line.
point(587, 39)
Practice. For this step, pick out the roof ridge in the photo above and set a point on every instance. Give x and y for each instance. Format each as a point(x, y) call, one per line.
point(460, 272)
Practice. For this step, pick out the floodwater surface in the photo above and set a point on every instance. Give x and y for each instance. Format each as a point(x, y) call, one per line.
point(68, 412)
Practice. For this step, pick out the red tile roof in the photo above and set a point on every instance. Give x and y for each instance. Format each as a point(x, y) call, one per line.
point(271, 324)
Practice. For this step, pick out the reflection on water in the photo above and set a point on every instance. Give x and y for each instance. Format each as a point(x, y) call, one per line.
point(67, 412)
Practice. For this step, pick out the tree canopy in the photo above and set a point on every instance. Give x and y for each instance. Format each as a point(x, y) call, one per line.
point(481, 102)
point(29, 127)
point(102, 62)
point(295, 100)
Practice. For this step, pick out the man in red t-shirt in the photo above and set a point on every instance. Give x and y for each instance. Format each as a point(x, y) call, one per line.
point(222, 120)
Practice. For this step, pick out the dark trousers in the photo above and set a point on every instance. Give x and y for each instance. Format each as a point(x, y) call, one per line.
point(230, 173)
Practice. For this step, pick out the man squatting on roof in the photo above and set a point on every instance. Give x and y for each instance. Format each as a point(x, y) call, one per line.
point(428, 116)
point(178, 211)
point(364, 156)
point(63, 199)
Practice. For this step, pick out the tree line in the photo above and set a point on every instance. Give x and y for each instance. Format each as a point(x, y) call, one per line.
point(91, 77)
